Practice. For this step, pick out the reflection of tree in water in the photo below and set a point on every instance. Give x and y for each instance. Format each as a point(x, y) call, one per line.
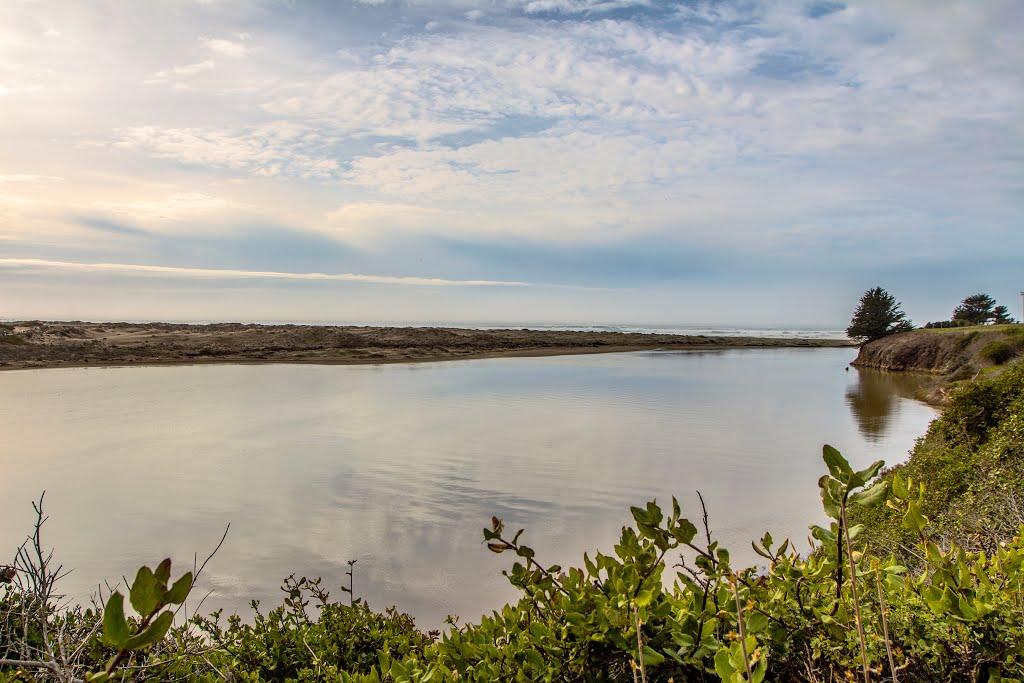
point(874, 399)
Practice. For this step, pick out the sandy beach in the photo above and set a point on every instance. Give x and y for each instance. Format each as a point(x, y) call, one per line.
point(35, 344)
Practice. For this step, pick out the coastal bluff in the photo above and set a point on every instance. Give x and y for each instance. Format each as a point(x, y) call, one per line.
point(959, 353)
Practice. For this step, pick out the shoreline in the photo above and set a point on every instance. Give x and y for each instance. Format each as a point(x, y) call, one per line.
point(47, 345)
point(943, 357)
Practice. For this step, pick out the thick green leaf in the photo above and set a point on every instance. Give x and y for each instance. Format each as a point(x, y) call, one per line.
point(146, 592)
point(685, 531)
point(652, 657)
point(723, 665)
point(115, 626)
point(913, 519)
point(163, 571)
point(899, 487)
point(525, 551)
point(654, 512)
point(872, 496)
point(870, 472)
point(824, 536)
point(644, 597)
point(641, 515)
point(829, 501)
point(180, 590)
point(837, 464)
point(156, 630)
point(756, 622)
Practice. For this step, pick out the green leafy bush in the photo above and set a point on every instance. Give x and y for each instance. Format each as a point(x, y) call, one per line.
point(667, 604)
point(998, 352)
point(291, 644)
point(972, 462)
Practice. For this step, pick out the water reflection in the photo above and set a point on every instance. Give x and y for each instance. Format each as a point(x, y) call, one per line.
point(876, 397)
point(400, 467)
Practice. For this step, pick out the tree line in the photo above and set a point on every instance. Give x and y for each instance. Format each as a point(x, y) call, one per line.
point(879, 314)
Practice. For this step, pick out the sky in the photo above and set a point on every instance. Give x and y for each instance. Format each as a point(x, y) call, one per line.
point(579, 161)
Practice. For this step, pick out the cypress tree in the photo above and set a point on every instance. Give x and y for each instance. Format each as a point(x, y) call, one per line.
point(878, 314)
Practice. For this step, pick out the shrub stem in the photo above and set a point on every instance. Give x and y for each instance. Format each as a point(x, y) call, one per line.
point(853, 590)
point(885, 627)
point(742, 629)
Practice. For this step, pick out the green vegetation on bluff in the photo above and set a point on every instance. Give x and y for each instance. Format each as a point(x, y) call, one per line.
point(959, 353)
point(972, 463)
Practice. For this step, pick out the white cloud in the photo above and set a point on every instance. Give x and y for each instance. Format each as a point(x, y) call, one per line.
point(580, 6)
point(232, 274)
point(175, 207)
point(269, 150)
point(747, 123)
point(498, 7)
point(15, 201)
point(643, 129)
point(228, 48)
point(435, 86)
point(357, 220)
point(180, 74)
point(28, 178)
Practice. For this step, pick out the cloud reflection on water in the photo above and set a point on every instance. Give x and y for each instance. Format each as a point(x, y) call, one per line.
point(400, 466)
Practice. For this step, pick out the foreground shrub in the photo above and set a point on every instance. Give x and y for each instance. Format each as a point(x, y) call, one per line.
point(998, 352)
point(667, 604)
point(972, 462)
point(289, 643)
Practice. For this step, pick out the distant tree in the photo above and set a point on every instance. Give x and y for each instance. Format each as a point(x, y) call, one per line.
point(1001, 316)
point(942, 324)
point(975, 309)
point(878, 314)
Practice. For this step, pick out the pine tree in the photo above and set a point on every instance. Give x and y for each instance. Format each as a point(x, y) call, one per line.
point(1001, 316)
point(975, 309)
point(878, 314)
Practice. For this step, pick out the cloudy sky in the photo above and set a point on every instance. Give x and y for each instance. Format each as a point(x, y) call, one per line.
point(508, 160)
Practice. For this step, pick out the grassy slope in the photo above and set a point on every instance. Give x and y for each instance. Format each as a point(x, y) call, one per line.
point(972, 458)
point(958, 353)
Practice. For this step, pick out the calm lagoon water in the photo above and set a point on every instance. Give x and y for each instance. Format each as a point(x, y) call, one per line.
point(400, 466)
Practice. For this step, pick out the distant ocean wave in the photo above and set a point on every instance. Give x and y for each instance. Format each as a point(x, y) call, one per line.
point(718, 331)
point(687, 330)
